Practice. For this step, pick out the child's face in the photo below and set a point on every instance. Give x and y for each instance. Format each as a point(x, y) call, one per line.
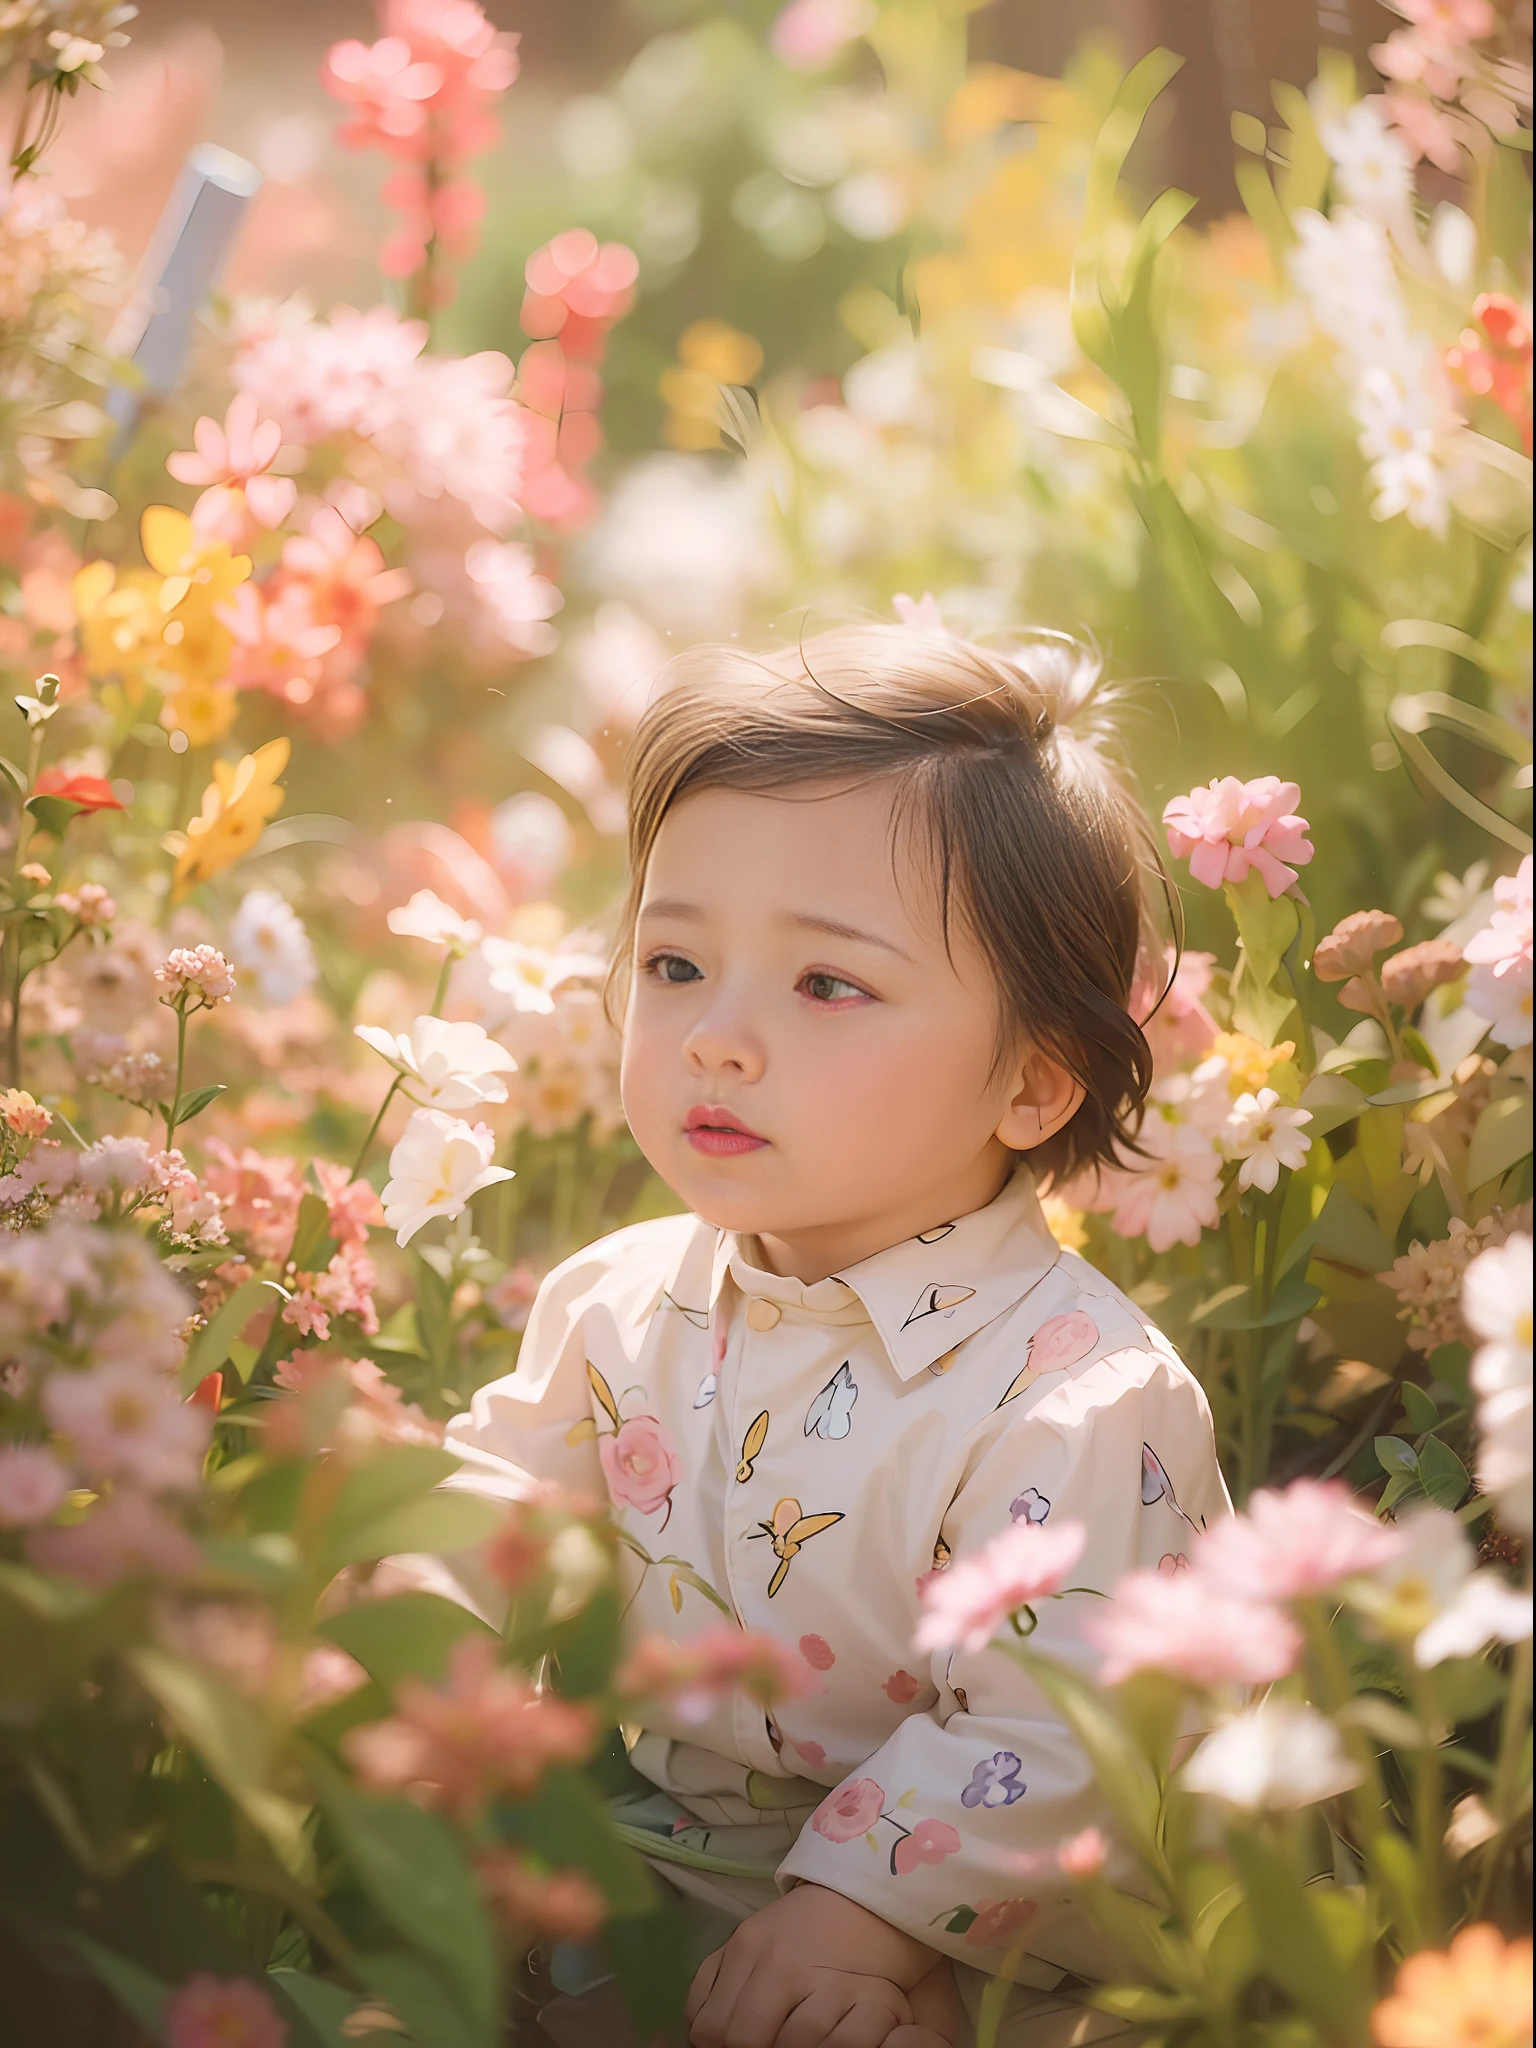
point(804, 1058)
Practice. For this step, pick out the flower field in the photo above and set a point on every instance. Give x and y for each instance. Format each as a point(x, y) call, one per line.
point(322, 656)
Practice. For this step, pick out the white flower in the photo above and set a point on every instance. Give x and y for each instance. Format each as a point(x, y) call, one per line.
point(1496, 1303)
point(1265, 1137)
point(1429, 1594)
point(438, 1164)
point(1413, 484)
point(1486, 1610)
point(446, 1066)
point(1276, 1758)
point(1372, 169)
point(428, 917)
point(267, 939)
point(1171, 1197)
point(1499, 987)
point(531, 843)
point(505, 978)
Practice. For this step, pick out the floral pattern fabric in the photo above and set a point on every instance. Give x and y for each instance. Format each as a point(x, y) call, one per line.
point(800, 1457)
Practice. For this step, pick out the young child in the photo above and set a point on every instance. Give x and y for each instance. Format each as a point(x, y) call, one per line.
point(885, 912)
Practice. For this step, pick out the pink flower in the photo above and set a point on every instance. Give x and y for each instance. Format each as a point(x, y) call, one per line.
point(849, 1810)
point(32, 1484)
point(641, 1465)
point(577, 288)
point(922, 614)
point(221, 2012)
point(124, 1536)
point(483, 1730)
point(1180, 1623)
point(697, 1675)
point(1292, 1544)
point(967, 1605)
point(279, 643)
point(929, 1842)
point(999, 1922)
point(196, 970)
point(809, 33)
point(1499, 987)
point(1170, 1198)
point(1228, 827)
point(123, 1421)
point(517, 601)
point(352, 1206)
point(901, 1688)
point(817, 1652)
point(1083, 1855)
point(232, 463)
point(1180, 1026)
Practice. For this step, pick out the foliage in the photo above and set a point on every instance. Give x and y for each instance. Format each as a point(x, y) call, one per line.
point(904, 327)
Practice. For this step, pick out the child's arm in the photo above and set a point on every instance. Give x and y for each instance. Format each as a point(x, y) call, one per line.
point(948, 1831)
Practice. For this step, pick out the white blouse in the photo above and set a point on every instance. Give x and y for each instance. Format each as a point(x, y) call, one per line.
point(800, 1457)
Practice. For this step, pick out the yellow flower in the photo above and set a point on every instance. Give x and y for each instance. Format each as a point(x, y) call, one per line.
point(236, 807)
point(712, 353)
point(1064, 1222)
point(202, 709)
point(1249, 1064)
point(121, 624)
point(200, 575)
point(1476, 1996)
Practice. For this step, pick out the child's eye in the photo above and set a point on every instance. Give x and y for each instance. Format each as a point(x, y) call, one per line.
point(672, 969)
point(829, 988)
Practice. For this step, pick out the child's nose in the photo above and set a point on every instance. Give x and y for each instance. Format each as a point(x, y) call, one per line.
point(723, 1041)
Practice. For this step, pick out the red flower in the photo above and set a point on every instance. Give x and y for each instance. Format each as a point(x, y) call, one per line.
point(929, 1842)
point(90, 792)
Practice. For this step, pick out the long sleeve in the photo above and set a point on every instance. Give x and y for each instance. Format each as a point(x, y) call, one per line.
point(522, 1431)
point(933, 1830)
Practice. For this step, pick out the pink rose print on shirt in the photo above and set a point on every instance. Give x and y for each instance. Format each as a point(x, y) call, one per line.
point(902, 1688)
point(641, 1465)
point(818, 1652)
point(850, 1810)
point(810, 1753)
point(929, 1842)
point(1172, 1561)
point(1059, 1342)
point(999, 1922)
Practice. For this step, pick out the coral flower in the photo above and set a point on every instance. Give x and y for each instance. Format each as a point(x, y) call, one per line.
point(90, 792)
point(231, 463)
point(221, 2012)
point(1228, 827)
point(849, 1810)
point(1475, 1995)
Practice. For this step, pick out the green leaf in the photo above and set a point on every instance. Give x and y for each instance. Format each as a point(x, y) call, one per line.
point(1349, 1234)
point(1313, 1953)
point(567, 1823)
point(412, 1866)
point(211, 1346)
point(322, 2007)
point(650, 1955)
point(1442, 1474)
point(398, 1474)
point(1292, 1299)
point(132, 1986)
point(1124, 1775)
point(1420, 1410)
point(409, 1634)
point(53, 813)
point(416, 1994)
point(1501, 1139)
point(189, 1106)
point(1418, 1048)
point(16, 775)
point(1333, 1100)
point(313, 1246)
point(1394, 1456)
point(437, 1524)
point(230, 1734)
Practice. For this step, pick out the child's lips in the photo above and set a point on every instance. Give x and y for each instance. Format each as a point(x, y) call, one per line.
point(718, 1133)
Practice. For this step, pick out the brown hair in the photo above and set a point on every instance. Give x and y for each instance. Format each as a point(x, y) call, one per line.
point(1004, 765)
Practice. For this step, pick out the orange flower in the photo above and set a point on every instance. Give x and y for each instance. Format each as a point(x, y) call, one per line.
point(1476, 1996)
point(90, 792)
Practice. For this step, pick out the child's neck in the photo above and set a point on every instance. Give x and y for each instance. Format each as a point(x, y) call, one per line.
point(814, 1254)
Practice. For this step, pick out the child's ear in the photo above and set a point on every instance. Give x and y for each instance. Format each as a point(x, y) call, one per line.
point(1045, 1097)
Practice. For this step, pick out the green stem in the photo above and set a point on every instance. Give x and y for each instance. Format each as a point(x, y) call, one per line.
point(1514, 1730)
point(1429, 1815)
point(373, 1128)
point(14, 976)
point(173, 1107)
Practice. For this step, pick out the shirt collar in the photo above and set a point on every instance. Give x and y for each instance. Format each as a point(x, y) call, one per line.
point(930, 1292)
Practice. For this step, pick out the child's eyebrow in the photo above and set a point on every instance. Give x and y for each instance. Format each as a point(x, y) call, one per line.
point(671, 906)
point(831, 926)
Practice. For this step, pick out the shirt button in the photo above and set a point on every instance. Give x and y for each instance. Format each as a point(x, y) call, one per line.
point(762, 1315)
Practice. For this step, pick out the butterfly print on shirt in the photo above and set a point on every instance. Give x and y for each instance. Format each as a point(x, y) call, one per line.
point(788, 1530)
point(1156, 1486)
point(933, 1236)
point(937, 1301)
point(751, 1444)
point(830, 1415)
point(699, 1317)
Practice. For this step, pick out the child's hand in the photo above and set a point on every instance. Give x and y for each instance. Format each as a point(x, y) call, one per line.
point(812, 1968)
